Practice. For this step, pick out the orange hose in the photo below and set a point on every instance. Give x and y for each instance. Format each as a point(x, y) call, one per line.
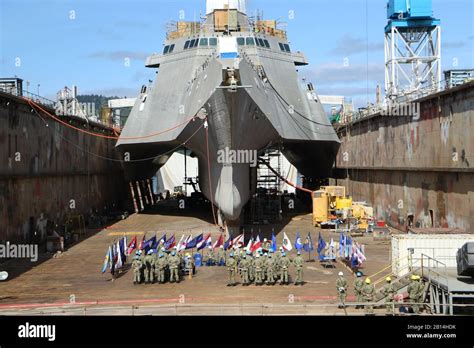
point(33, 104)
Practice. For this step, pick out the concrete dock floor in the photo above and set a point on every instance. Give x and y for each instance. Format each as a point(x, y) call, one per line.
point(72, 281)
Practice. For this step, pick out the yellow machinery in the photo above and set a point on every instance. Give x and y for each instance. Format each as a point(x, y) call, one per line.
point(320, 207)
point(333, 193)
point(343, 203)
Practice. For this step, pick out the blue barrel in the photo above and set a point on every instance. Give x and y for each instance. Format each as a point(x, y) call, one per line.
point(197, 260)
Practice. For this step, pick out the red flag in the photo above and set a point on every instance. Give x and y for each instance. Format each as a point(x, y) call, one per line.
point(219, 242)
point(142, 242)
point(256, 245)
point(132, 246)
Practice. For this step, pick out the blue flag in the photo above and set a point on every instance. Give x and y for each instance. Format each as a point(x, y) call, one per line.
point(274, 243)
point(342, 244)
point(308, 244)
point(192, 244)
point(228, 243)
point(149, 243)
point(298, 244)
point(321, 244)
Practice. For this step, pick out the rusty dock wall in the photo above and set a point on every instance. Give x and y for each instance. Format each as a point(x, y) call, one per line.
point(51, 172)
point(416, 170)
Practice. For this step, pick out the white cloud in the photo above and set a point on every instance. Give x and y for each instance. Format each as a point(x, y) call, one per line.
point(350, 45)
point(119, 55)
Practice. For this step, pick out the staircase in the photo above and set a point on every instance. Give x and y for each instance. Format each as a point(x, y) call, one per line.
point(399, 284)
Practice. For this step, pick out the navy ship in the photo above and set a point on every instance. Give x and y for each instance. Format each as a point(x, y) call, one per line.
point(227, 84)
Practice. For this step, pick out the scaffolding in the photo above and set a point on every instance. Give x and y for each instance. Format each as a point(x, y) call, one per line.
point(265, 205)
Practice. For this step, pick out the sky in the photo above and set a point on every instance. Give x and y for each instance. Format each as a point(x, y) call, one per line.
point(101, 45)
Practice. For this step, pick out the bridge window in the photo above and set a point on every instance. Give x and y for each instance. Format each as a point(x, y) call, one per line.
point(267, 44)
point(196, 42)
point(186, 45)
point(193, 41)
point(287, 48)
point(171, 48)
point(241, 41)
point(204, 42)
point(250, 41)
point(260, 43)
point(166, 49)
point(213, 41)
point(282, 47)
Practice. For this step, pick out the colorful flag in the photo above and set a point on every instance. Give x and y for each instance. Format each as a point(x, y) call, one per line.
point(249, 245)
point(180, 243)
point(228, 244)
point(170, 243)
point(219, 242)
point(321, 244)
point(149, 244)
point(256, 245)
point(193, 243)
point(342, 244)
point(308, 244)
point(298, 244)
point(274, 243)
point(360, 256)
point(205, 242)
point(238, 241)
point(286, 243)
point(142, 243)
point(106, 261)
point(119, 256)
point(132, 246)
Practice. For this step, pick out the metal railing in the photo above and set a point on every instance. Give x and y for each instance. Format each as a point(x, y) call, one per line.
point(329, 309)
point(34, 97)
point(434, 269)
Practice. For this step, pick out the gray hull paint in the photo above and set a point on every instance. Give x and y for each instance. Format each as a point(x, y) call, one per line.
point(274, 111)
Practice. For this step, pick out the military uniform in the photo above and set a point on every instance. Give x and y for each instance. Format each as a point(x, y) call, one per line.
point(137, 269)
point(341, 287)
point(271, 270)
point(244, 268)
point(251, 268)
point(211, 258)
point(221, 257)
point(160, 268)
point(415, 292)
point(143, 269)
point(277, 265)
point(358, 285)
point(232, 268)
point(149, 272)
point(368, 291)
point(299, 262)
point(264, 267)
point(258, 271)
point(388, 291)
point(174, 263)
point(284, 265)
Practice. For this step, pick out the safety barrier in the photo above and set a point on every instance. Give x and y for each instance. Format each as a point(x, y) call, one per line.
point(329, 309)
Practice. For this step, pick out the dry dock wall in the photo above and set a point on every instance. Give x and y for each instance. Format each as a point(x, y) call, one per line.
point(418, 169)
point(51, 172)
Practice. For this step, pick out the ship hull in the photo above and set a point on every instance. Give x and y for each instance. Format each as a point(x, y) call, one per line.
point(247, 121)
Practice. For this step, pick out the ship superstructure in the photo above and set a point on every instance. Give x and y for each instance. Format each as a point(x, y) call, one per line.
point(239, 75)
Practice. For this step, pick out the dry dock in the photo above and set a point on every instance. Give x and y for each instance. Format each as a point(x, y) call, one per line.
point(75, 274)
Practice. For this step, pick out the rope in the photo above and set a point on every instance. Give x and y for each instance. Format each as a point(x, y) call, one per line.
point(117, 160)
point(33, 105)
point(285, 180)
